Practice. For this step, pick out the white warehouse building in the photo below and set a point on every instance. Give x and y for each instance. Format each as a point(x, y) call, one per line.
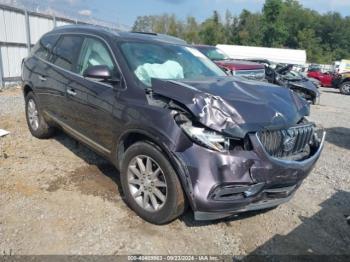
point(19, 30)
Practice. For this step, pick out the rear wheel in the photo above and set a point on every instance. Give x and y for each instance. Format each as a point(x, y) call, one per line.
point(345, 88)
point(35, 120)
point(150, 184)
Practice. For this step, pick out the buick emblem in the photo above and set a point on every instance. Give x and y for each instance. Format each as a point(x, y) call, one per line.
point(288, 143)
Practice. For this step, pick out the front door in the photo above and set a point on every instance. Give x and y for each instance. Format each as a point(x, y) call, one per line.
point(93, 101)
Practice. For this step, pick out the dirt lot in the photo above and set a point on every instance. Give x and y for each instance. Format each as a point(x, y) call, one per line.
point(58, 197)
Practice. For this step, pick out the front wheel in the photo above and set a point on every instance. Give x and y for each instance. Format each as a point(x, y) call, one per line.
point(345, 88)
point(150, 184)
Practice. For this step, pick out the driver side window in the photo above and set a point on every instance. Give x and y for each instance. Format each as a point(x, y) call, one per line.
point(94, 52)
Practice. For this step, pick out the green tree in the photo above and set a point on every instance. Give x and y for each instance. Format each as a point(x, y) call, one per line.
point(191, 29)
point(307, 40)
point(249, 29)
point(172, 26)
point(143, 24)
point(281, 23)
point(212, 31)
point(274, 33)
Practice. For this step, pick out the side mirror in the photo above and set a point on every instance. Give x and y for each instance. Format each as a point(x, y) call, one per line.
point(101, 73)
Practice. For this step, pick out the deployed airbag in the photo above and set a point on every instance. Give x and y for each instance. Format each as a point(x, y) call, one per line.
point(168, 70)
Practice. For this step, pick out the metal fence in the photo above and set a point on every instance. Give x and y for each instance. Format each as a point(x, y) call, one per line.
point(19, 30)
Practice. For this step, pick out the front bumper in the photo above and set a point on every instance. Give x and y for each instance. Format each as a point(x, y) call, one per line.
point(263, 203)
point(222, 184)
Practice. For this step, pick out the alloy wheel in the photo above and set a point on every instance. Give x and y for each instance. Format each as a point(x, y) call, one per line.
point(33, 114)
point(346, 88)
point(147, 183)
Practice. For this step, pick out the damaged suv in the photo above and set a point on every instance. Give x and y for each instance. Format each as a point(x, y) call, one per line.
point(181, 132)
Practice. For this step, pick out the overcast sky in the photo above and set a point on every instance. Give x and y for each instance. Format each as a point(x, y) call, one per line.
point(126, 11)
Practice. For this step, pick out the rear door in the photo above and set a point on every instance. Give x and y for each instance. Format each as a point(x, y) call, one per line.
point(41, 69)
point(63, 73)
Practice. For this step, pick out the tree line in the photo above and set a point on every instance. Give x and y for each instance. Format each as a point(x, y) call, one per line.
point(280, 23)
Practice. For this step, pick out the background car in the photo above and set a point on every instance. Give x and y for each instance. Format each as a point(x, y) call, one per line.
point(246, 69)
point(284, 75)
point(326, 79)
point(342, 81)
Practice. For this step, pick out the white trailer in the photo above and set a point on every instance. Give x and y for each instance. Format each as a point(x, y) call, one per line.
point(277, 55)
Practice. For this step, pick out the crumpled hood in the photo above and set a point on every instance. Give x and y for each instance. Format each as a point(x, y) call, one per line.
point(233, 105)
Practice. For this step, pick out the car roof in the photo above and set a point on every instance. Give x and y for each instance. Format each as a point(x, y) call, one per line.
point(122, 35)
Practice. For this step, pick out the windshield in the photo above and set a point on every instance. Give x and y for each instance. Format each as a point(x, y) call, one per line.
point(151, 60)
point(213, 53)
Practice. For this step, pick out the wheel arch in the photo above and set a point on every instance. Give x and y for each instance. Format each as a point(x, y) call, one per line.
point(347, 79)
point(26, 89)
point(136, 135)
point(133, 136)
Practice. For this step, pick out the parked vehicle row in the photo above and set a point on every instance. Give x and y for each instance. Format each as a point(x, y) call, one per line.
point(340, 81)
point(284, 75)
point(262, 70)
point(303, 84)
point(181, 131)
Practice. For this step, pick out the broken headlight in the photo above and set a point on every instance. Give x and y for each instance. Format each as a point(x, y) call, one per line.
point(207, 138)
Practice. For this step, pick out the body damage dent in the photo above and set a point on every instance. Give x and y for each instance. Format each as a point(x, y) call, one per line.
point(246, 106)
point(215, 113)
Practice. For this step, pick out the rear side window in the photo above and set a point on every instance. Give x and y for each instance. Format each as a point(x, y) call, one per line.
point(94, 52)
point(44, 46)
point(66, 52)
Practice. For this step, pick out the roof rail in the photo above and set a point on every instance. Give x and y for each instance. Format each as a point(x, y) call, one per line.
point(145, 33)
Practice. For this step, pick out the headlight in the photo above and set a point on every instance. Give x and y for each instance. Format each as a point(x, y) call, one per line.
point(205, 137)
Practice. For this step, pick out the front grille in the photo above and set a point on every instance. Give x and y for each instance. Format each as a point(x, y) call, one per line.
point(292, 143)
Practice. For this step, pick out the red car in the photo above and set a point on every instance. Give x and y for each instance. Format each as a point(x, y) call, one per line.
point(326, 79)
point(246, 69)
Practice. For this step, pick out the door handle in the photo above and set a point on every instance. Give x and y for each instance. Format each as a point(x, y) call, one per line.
point(71, 92)
point(42, 78)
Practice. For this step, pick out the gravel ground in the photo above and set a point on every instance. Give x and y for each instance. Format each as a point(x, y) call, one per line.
point(58, 197)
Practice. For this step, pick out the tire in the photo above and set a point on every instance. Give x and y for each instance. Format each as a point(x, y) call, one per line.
point(35, 120)
point(345, 88)
point(170, 207)
point(316, 101)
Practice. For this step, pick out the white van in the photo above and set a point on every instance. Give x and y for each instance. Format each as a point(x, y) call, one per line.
point(344, 66)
